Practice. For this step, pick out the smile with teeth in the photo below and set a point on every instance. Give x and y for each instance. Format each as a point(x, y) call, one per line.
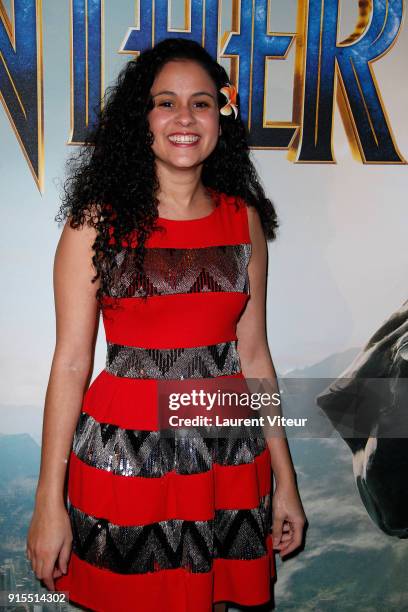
point(184, 138)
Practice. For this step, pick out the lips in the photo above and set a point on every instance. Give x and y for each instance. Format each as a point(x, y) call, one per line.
point(184, 139)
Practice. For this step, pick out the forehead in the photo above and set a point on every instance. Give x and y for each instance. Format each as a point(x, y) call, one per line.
point(183, 75)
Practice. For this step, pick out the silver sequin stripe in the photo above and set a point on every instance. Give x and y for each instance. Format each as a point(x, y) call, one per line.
point(152, 454)
point(174, 543)
point(168, 271)
point(175, 363)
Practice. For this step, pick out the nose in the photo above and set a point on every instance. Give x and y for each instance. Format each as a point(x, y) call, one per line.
point(185, 115)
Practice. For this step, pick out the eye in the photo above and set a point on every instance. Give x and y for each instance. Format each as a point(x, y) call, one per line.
point(202, 104)
point(165, 103)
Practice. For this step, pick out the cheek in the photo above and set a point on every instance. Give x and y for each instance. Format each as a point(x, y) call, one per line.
point(212, 124)
point(156, 123)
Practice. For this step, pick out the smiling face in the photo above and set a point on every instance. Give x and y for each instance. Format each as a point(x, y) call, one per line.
point(185, 117)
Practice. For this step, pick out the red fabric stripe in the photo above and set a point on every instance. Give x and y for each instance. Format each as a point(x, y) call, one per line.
point(136, 500)
point(245, 582)
point(174, 321)
point(130, 403)
point(241, 486)
point(175, 590)
point(228, 224)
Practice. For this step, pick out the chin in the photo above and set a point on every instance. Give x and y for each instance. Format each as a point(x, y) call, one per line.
point(185, 166)
point(182, 162)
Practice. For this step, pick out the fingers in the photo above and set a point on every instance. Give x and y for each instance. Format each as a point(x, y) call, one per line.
point(64, 555)
point(43, 567)
point(286, 533)
point(57, 573)
point(43, 571)
point(48, 550)
point(47, 574)
point(277, 528)
point(291, 538)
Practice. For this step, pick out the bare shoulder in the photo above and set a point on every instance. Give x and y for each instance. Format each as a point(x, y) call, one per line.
point(255, 226)
point(76, 239)
point(75, 291)
point(81, 234)
point(74, 253)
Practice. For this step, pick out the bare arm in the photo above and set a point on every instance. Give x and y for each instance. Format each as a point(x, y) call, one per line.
point(77, 315)
point(253, 347)
point(256, 362)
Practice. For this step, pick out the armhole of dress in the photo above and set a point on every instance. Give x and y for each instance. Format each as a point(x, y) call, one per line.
point(245, 220)
point(246, 240)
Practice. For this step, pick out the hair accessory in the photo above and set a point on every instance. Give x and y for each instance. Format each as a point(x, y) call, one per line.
point(230, 93)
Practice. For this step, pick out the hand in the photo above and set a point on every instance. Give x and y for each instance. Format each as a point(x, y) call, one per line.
point(49, 542)
point(288, 519)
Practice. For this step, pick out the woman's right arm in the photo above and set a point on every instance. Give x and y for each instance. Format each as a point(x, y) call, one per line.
point(77, 316)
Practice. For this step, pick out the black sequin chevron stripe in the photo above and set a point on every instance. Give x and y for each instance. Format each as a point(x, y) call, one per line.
point(181, 270)
point(134, 452)
point(193, 362)
point(174, 543)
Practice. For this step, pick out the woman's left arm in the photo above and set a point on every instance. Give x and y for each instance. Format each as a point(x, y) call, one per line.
point(256, 362)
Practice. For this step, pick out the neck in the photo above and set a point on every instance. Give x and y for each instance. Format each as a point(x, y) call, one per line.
point(179, 188)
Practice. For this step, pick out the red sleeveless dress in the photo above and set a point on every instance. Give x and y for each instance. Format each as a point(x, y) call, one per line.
point(160, 526)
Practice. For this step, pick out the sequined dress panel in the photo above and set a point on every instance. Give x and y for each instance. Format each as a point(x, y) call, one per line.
point(168, 522)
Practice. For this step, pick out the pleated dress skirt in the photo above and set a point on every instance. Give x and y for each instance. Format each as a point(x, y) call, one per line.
point(163, 521)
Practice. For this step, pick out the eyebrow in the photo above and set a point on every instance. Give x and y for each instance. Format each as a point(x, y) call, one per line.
point(172, 93)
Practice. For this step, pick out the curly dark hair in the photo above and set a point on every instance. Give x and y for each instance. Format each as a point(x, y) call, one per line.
point(112, 182)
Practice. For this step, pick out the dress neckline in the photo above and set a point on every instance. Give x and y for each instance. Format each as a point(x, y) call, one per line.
point(216, 198)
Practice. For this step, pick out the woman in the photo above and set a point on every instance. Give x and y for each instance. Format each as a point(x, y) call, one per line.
point(166, 217)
